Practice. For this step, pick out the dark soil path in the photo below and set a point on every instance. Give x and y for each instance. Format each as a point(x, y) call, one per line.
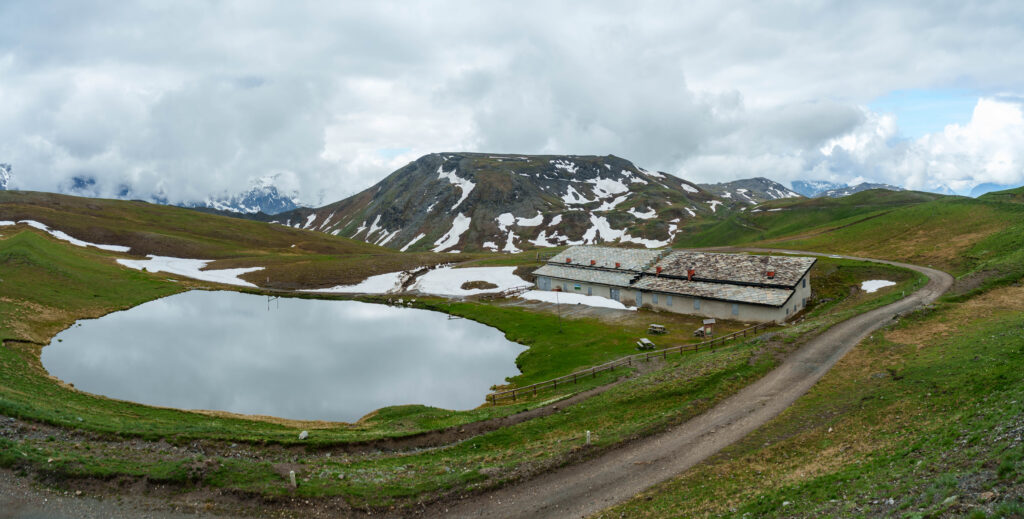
point(584, 489)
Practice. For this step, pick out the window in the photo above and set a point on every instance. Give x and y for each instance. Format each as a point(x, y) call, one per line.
point(787, 311)
point(668, 300)
point(735, 309)
point(805, 282)
point(696, 304)
point(654, 299)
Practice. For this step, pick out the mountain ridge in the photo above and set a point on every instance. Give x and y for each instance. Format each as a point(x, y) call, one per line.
point(456, 201)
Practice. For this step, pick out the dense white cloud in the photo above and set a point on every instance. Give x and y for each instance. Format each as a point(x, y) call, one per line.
point(192, 98)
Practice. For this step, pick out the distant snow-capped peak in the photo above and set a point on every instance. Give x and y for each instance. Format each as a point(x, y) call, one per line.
point(5, 176)
point(263, 195)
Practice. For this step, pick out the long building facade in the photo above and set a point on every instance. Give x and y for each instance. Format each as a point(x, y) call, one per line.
point(740, 287)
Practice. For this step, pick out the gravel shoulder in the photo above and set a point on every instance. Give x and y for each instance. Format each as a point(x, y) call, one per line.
point(585, 489)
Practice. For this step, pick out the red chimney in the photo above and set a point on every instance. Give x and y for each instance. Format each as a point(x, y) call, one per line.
point(690, 273)
point(771, 274)
point(593, 262)
point(617, 264)
point(568, 260)
point(658, 269)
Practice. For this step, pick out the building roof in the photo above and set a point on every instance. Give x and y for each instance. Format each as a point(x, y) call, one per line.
point(734, 268)
point(606, 257)
point(587, 275)
point(720, 291)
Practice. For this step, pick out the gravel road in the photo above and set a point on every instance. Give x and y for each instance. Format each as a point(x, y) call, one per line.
point(584, 489)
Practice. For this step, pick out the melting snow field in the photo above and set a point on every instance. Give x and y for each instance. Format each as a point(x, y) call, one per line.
point(379, 284)
point(875, 284)
point(61, 235)
point(566, 298)
point(191, 268)
point(448, 281)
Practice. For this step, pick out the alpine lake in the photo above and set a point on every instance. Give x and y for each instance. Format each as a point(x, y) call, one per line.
point(302, 359)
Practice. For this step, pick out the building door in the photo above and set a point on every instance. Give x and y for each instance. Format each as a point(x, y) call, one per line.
point(590, 290)
point(544, 283)
point(613, 293)
point(639, 299)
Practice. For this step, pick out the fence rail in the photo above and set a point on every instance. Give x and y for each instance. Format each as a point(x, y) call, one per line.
point(628, 360)
point(511, 292)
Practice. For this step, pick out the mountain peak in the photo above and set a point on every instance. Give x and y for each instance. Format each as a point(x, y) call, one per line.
point(458, 201)
point(263, 196)
point(750, 191)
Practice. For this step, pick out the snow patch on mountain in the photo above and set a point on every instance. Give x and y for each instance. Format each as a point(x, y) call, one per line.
point(647, 215)
point(412, 242)
point(451, 238)
point(262, 195)
point(466, 186)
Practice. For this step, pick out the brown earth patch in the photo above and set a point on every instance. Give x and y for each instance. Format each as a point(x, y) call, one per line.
point(955, 317)
point(484, 285)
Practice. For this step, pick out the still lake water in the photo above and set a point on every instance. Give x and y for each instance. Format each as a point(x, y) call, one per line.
point(301, 359)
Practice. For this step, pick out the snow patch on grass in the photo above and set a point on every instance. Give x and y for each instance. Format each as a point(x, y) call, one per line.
point(875, 284)
point(63, 236)
point(379, 284)
point(566, 298)
point(447, 281)
point(190, 268)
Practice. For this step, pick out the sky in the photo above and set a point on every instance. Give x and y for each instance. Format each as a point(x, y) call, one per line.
point(193, 99)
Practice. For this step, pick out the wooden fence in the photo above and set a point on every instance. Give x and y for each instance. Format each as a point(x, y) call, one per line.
point(511, 292)
point(628, 360)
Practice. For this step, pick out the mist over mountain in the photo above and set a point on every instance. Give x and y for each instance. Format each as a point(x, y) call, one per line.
point(262, 196)
point(812, 188)
point(5, 176)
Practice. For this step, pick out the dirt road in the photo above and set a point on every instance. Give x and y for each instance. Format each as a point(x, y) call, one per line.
point(584, 489)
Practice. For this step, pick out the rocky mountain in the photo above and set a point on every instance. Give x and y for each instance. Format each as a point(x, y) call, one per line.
point(750, 191)
point(849, 190)
point(812, 188)
point(262, 196)
point(5, 176)
point(449, 202)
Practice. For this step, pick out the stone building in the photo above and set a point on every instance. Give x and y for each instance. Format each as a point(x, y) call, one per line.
point(741, 287)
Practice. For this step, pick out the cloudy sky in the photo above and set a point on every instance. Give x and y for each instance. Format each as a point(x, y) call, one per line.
point(198, 98)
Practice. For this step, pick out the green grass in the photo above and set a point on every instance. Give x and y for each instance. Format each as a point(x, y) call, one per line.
point(67, 283)
point(788, 217)
point(931, 422)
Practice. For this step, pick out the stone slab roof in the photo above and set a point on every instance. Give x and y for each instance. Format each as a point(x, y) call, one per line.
point(586, 275)
point(606, 257)
point(720, 291)
point(734, 268)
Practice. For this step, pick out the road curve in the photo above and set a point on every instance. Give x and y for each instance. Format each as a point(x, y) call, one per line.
point(586, 488)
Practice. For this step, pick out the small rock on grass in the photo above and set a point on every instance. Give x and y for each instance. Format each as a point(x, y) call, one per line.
point(303, 435)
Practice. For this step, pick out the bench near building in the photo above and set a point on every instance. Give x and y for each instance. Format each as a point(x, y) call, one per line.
point(741, 287)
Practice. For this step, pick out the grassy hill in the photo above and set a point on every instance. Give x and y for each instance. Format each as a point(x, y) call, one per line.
point(293, 258)
point(49, 284)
